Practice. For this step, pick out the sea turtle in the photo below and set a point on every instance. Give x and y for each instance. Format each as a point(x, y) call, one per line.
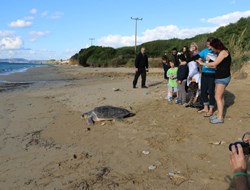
point(106, 113)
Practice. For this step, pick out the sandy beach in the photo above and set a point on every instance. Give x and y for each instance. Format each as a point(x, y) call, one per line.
point(46, 145)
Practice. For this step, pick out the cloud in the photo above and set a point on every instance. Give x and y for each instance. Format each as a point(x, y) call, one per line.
point(44, 13)
point(12, 42)
point(34, 35)
point(55, 15)
point(228, 18)
point(116, 41)
point(28, 18)
point(33, 11)
point(232, 2)
point(20, 24)
point(9, 41)
point(171, 31)
point(38, 54)
point(158, 33)
point(6, 34)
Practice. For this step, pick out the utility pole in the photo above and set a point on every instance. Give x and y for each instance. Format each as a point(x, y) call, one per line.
point(91, 41)
point(136, 19)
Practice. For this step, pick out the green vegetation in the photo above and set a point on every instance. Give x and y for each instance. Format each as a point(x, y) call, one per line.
point(235, 36)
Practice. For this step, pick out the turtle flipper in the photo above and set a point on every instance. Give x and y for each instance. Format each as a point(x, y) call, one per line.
point(120, 119)
point(90, 121)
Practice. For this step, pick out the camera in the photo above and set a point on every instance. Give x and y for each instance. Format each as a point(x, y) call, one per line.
point(245, 147)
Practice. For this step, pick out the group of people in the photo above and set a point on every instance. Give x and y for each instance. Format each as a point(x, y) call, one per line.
point(215, 61)
point(205, 73)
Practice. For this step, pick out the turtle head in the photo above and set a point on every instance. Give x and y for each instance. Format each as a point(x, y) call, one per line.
point(131, 114)
point(86, 115)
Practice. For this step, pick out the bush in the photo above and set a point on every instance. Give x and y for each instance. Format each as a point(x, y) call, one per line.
point(235, 36)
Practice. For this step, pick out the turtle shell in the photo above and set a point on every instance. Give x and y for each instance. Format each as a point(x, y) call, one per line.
point(110, 112)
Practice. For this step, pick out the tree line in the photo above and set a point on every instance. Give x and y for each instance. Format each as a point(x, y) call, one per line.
point(235, 36)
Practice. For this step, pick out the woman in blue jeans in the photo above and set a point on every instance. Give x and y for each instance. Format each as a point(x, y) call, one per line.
point(222, 76)
point(208, 81)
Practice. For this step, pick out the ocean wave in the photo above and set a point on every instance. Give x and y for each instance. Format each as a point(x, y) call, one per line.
point(10, 68)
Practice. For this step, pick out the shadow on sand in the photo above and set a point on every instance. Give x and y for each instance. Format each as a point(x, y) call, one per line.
point(229, 100)
point(154, 84)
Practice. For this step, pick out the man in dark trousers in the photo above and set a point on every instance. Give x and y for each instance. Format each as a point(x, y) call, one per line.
point(141, 64)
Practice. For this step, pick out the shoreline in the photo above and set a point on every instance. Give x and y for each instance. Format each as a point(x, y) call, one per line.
point(46, 145)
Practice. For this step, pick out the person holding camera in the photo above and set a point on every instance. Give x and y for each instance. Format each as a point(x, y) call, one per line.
point(238, 160)
point(246, 137)
point(238, 163)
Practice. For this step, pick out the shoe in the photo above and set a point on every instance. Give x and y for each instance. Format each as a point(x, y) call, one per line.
point(134, 87)
point(144, 87)
point(212, 117)
point(216, 120)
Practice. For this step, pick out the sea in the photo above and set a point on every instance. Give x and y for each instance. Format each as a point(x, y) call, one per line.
point(10, 68)
point(6, 69)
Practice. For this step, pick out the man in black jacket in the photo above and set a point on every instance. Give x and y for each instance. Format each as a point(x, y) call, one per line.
point(141, 64)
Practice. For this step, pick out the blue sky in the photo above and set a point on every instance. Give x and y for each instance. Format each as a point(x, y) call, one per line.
point(57, 29)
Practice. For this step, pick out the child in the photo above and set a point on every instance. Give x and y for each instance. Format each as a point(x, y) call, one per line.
point(172, 81)
point(165, 66)
point(182, 75)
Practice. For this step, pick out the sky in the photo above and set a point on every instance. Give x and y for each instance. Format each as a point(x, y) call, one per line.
point(57, 29)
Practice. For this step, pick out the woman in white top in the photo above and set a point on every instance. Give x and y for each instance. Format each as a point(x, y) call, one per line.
point(194, 74)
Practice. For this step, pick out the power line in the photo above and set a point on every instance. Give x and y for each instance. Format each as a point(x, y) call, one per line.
point(136, 19)
point(91, 41)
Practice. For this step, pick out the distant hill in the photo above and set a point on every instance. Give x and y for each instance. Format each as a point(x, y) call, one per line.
point(15, 60)
point(235, 36)
point(21, 60)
